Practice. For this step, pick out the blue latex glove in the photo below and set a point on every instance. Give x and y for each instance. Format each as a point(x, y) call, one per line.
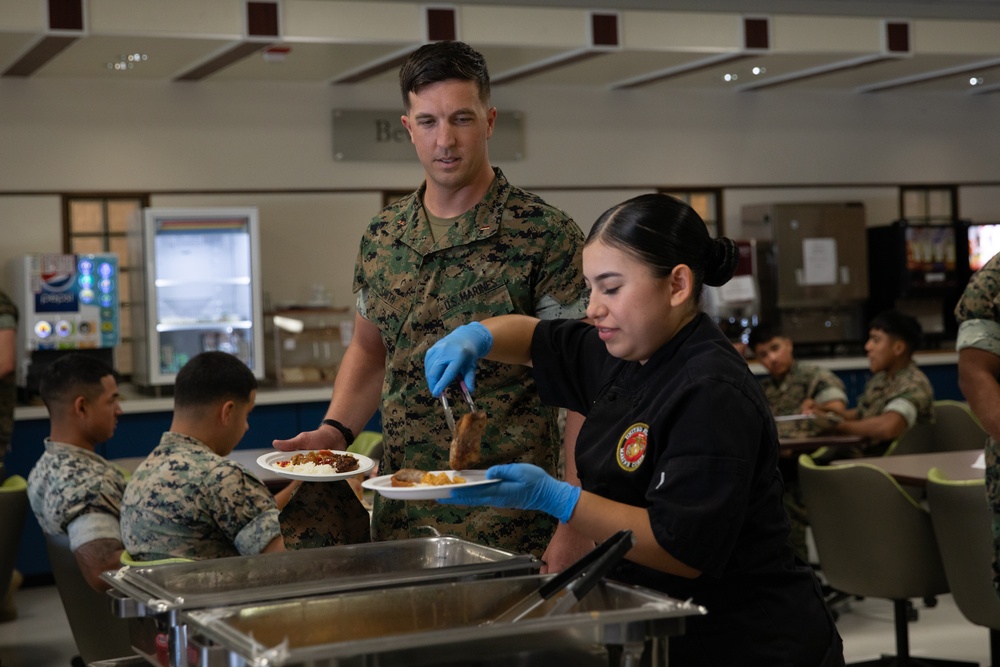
point(456, 354)
point(523, 486)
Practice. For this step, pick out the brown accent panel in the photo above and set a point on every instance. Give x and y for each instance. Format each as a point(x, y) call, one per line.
point(374, 70)
point(604, 28)
point(262, 19)
point(45, 50)
point(775, 84)
point(585, 55)
point(223, 60)
point(65, 14)
point(441, 24)
point(755, 33)
point(681, 72)
point(897, 36)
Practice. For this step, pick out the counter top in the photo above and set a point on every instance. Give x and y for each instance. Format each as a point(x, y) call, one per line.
point(135, 402)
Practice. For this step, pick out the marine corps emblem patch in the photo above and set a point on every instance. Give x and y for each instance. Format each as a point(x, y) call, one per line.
point(632, 447)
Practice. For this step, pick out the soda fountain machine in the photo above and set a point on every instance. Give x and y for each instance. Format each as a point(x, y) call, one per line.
point(67, 303)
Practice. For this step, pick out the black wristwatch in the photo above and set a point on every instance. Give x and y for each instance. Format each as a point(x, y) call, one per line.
point(346, 432)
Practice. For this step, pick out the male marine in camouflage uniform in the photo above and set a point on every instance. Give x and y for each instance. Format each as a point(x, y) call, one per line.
point(187, 500)
point(793, 387)
point(899, 395)
point(73, 490)
point(465, 246)
point(502, 257)
point(8, 389)
point(978, 345)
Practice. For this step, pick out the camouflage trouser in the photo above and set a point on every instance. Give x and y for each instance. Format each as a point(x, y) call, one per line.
point(324, 514)
point(993, 497)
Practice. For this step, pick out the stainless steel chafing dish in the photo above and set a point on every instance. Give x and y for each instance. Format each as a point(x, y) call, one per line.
point(152, 596)
point(439, 624)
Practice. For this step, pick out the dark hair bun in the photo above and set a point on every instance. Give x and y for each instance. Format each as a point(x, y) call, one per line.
point(721, 259)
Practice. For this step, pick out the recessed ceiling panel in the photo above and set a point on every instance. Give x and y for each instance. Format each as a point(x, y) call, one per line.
point(306, 62)
point(159, 58)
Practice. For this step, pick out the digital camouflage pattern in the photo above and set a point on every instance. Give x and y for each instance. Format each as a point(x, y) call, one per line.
point(186, 501)
point(978, 315)
point(512, 253)
point(802, 381)
point(909, 384)
point(69, 482)
point(8, 387)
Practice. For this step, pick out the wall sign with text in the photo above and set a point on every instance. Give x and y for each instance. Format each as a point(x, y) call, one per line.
point(370, 134)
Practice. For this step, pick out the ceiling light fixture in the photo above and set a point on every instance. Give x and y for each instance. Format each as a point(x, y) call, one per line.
point(976, 81)
point(729, 77)
point(127, 61)
point(757, 71)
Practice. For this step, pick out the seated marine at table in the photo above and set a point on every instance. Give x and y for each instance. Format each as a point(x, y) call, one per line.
point(793, 387)
point(72, 489)
point(187, 500)
point(678, 442)
point(898, 395)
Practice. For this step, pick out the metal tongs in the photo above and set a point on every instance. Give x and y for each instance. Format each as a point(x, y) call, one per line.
point(448, 416)
point(577, 580)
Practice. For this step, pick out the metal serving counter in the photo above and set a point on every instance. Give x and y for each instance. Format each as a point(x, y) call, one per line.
point(440, 624)
point(424, 601)
point(153, 596)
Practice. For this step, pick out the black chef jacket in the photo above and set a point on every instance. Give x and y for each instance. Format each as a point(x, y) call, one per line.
point(689, 436)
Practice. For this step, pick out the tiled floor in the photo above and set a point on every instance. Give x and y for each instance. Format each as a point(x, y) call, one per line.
point(40, 637)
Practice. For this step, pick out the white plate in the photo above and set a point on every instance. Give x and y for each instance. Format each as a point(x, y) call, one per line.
point(383, 485)
point(794, 418)
point(269, 462)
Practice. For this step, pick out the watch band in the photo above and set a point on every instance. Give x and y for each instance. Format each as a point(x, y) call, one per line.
point(346, 432)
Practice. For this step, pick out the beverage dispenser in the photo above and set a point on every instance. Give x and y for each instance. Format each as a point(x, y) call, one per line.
point(747, 299)
point(820, 268)
point(67, 303)
point(197, 289)
point(920, 269)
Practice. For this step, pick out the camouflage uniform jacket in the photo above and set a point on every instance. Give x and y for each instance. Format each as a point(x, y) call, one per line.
point(186, 501)
point(978, 315)
point(511, 253)
point(76, 492)
point(8, 388)
point(802, 381)
point(908, 393)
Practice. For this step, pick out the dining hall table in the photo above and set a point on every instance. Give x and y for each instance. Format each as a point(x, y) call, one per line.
point(912, 469)
point(804, 445)
point(245, 457)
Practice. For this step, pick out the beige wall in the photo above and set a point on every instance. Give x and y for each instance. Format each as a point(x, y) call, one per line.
point(175, 139)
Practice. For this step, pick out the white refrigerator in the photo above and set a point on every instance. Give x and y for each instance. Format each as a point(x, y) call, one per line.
point(197, 288)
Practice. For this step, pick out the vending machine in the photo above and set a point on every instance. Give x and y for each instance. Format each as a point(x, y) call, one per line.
point(197, 289)
point(67, 303)
point(920, 269)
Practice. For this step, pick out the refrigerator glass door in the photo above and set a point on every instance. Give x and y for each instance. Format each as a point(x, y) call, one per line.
point(202, 291)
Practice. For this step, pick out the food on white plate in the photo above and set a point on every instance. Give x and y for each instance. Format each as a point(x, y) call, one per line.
point(319, 462)
point(465, 445)
point(414, 477)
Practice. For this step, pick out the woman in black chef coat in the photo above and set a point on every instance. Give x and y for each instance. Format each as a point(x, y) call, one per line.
point(678, 444)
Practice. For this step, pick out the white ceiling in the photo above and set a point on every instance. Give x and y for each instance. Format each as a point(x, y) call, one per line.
point(823, 45)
